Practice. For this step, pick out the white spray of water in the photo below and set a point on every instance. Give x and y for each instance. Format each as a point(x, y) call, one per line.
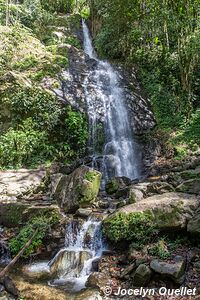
point(82, 247)
point(121, 157)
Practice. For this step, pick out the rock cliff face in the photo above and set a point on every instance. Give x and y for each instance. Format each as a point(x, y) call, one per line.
point(72, 91)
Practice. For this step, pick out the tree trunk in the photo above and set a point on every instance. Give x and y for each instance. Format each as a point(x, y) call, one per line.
point(15, 259)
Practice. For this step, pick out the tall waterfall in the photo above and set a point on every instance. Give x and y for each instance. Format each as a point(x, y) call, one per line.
point(120, 155)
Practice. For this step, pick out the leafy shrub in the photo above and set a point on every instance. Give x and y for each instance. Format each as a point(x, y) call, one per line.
point(76, 129)
point(41, 106)
point(42, 129)
point(134, 228)
point(73, 41)
point(160, 249)
point(40, 223)
point(24, 145)
point(62, 6)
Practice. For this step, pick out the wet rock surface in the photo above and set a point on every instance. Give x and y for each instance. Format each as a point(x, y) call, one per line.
point(72, 92)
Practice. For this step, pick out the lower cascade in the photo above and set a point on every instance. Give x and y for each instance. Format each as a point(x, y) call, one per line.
point(72, 265)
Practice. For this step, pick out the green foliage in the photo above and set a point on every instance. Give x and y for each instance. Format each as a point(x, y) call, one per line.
point(40, 223)
point(60, 6)
point(73, 41)
point(76, 130)
point(29, 62)
point(19, 147)
point(38, 128)
point(42, 129)
point(90, 176)
point(136, 228)
point(160, 39)
point(40, 105)
point(160, 249)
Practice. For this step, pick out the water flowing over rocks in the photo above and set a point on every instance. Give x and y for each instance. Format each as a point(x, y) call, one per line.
point(80, 65)
point(116, 110)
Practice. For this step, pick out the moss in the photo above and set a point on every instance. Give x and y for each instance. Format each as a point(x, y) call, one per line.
point(90, 176)
point(89, 188)
point(169, 217)
point(51, 213)
point(11, 214)
point(112, 186)
point(60, 61)
point(15, 214)
point(135, 228)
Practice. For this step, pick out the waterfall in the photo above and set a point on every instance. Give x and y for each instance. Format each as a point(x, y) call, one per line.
point(72, 265)
point(120, 154)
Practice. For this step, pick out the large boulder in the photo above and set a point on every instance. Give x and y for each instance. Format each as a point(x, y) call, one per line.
point(170, 211)
point(190, 186)
point(40, 271)
point(13, 213)
point(174, 270)
point(97, 280)
point(152, 188)
point(69, 262)
point(135, 195)
point(79, 189)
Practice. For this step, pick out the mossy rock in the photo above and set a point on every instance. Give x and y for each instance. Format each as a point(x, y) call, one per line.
point(17, 213)
point(117, 183)
point(170, 211)
point(79, 189)
point(11, 214)
point(190, 186)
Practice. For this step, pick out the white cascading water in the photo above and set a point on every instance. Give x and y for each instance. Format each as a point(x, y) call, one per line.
point(120, 155)
point(73, 263)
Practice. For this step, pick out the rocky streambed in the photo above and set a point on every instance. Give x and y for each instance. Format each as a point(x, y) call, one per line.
point(170, 258)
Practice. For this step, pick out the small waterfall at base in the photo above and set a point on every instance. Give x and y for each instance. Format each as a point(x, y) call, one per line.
point(120, 155)
point(73, 264)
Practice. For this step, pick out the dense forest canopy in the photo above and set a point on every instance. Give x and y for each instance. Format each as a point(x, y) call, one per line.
point(160, 39)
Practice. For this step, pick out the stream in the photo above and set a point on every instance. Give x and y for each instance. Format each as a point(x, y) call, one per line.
point(70, 268)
